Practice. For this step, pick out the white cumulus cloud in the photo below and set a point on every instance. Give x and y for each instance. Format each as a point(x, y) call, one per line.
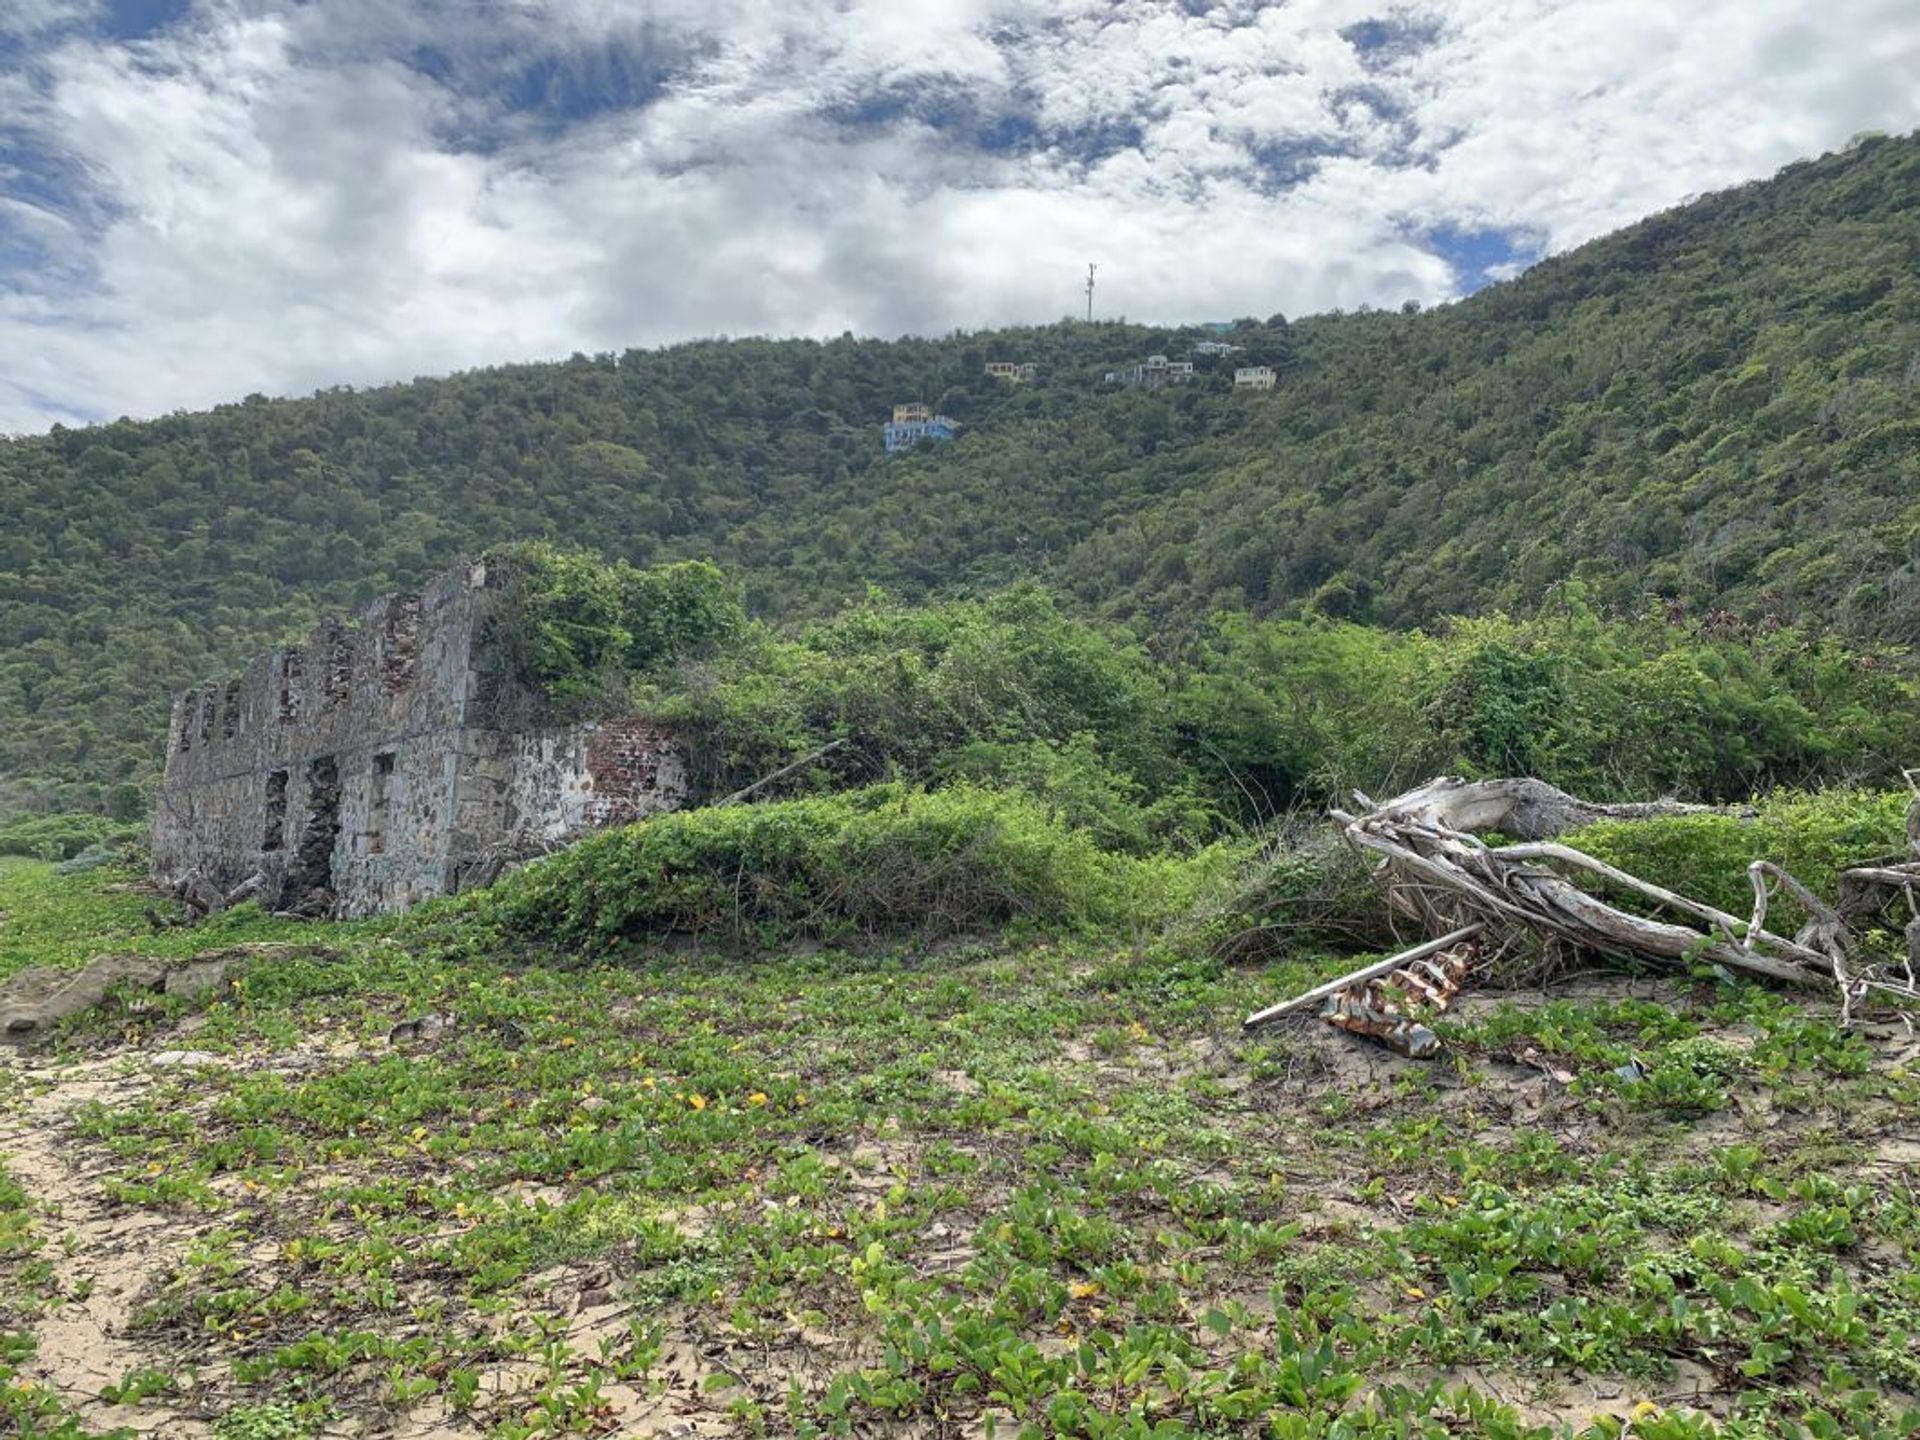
point(263, 197)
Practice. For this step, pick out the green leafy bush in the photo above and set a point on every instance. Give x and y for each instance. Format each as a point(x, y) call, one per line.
point(1303, 886)
point(1705, 857)
point(1280, 713)
point(883, 859)
point(1087, 791)
point(916, 691)
point(59, 837)
point(1305, 711)
point(582, 625)
point(98, 856)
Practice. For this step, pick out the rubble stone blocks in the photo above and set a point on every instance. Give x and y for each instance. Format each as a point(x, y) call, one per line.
point(374, 766)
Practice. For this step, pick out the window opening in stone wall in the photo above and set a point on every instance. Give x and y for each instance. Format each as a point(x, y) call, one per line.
point(309, 884)
point(274, 836)
point(209, 708)
point(187, 709)
point(378, 798)
point(292, 669)
point(400, 644)
point(230, 712)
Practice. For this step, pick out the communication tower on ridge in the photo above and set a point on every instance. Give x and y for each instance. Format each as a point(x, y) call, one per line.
point(1089, 292)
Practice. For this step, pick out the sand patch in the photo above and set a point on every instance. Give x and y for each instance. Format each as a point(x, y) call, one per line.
point(104, 1261)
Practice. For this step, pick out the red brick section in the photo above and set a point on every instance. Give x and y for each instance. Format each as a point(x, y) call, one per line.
point(623, 759)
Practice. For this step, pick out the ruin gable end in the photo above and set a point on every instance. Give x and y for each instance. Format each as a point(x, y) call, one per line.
point(377, 765)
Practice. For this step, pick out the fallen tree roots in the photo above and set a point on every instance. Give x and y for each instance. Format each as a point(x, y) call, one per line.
point(1434, 867)
point(200, 899)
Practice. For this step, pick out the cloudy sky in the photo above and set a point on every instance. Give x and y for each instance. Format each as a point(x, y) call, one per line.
point(204, 198)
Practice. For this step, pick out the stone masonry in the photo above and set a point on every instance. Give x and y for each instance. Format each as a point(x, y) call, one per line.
point(374, 766)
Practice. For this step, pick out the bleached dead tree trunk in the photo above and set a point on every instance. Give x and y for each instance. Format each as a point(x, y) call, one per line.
point(1434, 867)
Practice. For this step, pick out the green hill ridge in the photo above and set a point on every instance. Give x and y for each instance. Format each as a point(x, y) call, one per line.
point(1714, 410)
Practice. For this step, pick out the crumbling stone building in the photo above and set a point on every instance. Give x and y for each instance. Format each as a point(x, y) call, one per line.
point(377, 765)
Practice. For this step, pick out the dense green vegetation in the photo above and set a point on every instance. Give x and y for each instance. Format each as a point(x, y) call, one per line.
point(57, 837)
point(857, 865)
point(1258, 718)
point(581, 626)
point(911, 1097)
point(1714, 409)
point(1814, 836)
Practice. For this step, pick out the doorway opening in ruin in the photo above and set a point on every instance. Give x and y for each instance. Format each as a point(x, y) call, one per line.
point(312, 868)
point(379, 796)
point(274, 836)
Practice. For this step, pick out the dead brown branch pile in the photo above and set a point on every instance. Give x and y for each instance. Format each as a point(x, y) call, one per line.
point(1434, 867)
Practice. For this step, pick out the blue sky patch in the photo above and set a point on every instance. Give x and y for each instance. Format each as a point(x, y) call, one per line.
point(508, 95)
point(952, 110)
point(568, 89)
point(1473, 253)
point(1383, 42)
point(137, 19)
point(1283, 164)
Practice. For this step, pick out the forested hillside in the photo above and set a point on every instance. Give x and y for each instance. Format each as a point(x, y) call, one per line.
point(1717, 409)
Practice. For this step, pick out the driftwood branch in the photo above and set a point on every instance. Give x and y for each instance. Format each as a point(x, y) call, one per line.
point(778, 775)
point(1433, 865)
point(1866, 892)
point(1359, 977)
point(1522, 809)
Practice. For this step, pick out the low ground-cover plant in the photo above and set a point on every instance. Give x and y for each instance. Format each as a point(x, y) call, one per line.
point(51, 918)
point(1045, 1185)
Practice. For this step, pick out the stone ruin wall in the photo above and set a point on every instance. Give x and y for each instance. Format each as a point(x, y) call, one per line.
point(587, 777)
point(520, 791)
point(373, 762)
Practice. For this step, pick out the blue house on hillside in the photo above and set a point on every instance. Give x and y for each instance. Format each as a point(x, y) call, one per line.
point(912, 423)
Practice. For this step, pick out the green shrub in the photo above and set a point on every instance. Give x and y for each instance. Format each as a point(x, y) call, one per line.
point(97, 856)
point(1086, 790)
point(1503, 705)
point(1705, 857)
point(1150, 750)
point(59, 837)
point(1305, 711)
point(918, 691)
point(886, 859)
point(1282, 713)
point(580, 625)
point(1303, 886)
